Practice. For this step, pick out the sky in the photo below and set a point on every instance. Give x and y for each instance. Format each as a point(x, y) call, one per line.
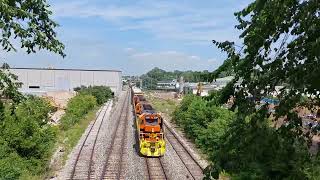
point(136, 35)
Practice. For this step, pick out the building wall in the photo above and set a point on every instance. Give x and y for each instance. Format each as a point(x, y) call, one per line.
point(43, 80)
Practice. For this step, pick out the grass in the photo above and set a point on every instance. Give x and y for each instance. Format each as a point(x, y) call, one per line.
point(69, 138)
point(166, 106)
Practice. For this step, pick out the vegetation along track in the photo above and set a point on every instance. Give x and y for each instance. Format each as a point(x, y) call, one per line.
point(155, 169)
point(191, 164)
point(114, 154)
point(84, 159)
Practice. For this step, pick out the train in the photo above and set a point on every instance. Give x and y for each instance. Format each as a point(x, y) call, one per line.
point(149, 125)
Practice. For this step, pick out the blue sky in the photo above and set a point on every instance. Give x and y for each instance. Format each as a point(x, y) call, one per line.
point(136, 35)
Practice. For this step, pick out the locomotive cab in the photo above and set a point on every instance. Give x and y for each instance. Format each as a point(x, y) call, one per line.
point(151, 123)
point(151, 133)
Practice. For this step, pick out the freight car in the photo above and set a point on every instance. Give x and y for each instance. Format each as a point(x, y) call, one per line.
point(149, 126)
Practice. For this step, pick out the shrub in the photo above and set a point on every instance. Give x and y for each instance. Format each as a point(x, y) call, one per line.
point(101, 93)
point(203, 122)
point(11, 164)
point(77, 107)
point(26, 138)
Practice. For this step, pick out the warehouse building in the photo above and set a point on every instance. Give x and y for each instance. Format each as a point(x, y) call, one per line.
point(41, 80)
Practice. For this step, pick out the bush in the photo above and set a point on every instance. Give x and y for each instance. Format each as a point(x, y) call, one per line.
point(203, 123)
point(77, 107)
point(26, 138)
point(261, 152)
point(11, 164)
point(101, 93)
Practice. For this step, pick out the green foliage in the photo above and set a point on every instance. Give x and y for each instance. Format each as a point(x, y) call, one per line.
point(77, 107)
point(26, 140)
point(280, 47)
point(69, 138)
point(101, 93)
point(9, 86)
point(151, 78)
point(226, 69)
point(203, 122)
point(30, 23)
point(11, 164)
point(262, 153)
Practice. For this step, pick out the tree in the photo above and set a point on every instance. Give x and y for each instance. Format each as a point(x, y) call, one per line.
point(26, 140)
point(9, 85)
point(280, 47)
point(30, 23)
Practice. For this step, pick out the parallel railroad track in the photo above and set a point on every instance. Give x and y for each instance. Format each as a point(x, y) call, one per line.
point(114, 154)
point(191, 164)
point(84, 159)
point(155, 169)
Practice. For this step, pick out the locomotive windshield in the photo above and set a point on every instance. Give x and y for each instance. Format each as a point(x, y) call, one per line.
point(152, 122)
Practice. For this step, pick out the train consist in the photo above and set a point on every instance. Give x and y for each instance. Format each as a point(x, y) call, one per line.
point(149, 126)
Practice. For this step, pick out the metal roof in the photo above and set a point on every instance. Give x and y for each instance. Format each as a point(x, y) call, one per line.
point(108, 70)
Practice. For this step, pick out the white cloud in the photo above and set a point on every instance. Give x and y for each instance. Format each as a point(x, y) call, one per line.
point(163, 19)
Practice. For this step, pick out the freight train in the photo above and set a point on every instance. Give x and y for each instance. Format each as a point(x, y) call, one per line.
point(149, 126)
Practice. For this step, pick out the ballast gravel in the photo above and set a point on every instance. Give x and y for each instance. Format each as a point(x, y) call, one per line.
point(133, 165)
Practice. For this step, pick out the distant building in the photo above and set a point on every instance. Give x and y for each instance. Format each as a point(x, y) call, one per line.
point(218, 84)
point(167, 85)
point(222, 82)
point(41, 80)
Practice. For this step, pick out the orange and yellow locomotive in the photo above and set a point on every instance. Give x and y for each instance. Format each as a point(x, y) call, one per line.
point(149, 126)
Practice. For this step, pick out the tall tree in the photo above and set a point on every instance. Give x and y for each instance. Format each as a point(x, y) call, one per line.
point(281, 42)
point(29, 22)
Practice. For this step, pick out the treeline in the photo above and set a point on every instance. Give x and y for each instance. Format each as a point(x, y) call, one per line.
point(150, 79)
point(241, 149)
point(27, 140)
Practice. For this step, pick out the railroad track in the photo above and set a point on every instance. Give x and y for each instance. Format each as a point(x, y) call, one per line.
point(112, 169)
point(194, 168)
point(84, 159)
point(155, 169)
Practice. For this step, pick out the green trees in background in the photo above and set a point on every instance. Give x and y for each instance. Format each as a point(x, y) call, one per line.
point(101, 93)
point(151, 78)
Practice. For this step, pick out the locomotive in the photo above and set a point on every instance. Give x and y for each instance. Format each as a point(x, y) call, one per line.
point(149, 126)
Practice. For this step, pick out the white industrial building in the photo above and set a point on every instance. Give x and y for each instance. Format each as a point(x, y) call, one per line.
point(41, 80)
